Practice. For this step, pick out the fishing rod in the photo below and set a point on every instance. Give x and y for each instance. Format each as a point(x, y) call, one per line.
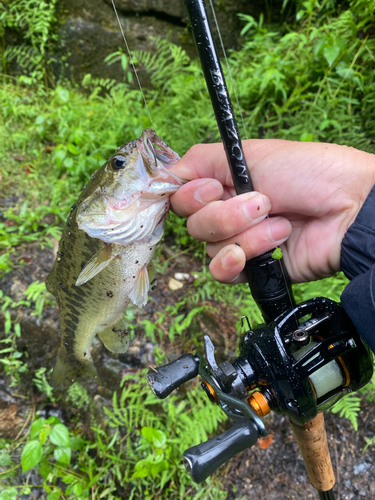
point(301, 361)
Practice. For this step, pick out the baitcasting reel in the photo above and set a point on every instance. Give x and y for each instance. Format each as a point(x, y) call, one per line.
point(298, 365)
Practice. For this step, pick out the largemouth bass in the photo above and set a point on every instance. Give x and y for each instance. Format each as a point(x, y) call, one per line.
point(104, 258)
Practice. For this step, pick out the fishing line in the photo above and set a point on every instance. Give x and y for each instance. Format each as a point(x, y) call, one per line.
point(242, 118)
point(233, 86)
point(132, 63)
point(229, 70)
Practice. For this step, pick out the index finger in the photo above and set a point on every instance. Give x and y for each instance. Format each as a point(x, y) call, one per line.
point(204, 161)
point(210, 161)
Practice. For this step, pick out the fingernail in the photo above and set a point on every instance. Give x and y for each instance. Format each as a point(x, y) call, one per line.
point(230, 259)
point(278, 230)
point(210, 191)
point(256, 208)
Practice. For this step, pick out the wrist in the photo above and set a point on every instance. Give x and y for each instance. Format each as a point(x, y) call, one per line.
point(358, 244)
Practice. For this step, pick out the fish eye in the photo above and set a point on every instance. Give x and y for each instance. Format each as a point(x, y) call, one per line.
point(118, 162)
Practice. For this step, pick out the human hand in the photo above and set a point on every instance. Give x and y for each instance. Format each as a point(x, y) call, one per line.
point(313, 192)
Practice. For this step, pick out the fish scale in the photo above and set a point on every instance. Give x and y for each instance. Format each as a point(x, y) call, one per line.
point(105, 252)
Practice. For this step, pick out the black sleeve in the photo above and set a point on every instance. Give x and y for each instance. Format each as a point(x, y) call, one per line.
point(358, 264)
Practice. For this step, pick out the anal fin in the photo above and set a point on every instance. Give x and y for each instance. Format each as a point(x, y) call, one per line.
point(116, 338)
point(97, 263)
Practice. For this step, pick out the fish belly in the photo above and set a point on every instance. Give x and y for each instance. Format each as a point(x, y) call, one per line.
point(98, 307)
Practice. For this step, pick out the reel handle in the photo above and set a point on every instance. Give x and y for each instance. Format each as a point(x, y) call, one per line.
point(202, 460)
point(312, 441)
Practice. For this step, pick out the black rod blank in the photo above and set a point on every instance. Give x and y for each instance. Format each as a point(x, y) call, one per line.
point(219, 96)
point(268, 278)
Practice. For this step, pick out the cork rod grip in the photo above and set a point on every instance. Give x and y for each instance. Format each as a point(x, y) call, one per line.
point(312, 441)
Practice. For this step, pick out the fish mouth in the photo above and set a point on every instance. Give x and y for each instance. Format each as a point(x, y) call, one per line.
point(158, 156)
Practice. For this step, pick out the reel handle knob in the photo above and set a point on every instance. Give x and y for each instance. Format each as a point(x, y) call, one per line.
point(168, 377)
point(202, 460)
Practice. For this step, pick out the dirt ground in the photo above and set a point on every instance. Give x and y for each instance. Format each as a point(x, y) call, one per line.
point(273, 469)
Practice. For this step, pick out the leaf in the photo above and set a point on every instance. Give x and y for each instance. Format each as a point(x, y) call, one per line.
point(44, 433)
point(53, 420)
point(62, 94)
point(331, 53)
point(77, 443)
point(68, 162)
point(277, 253)
point(154, 436)
point(9, 494)
point(39, 120)
point(63, 454)
point(142, 469)
point(73, 149)
point(5, 459)
point(78, 135)
point(159, 467)
point(60, 435)
point(77, 489)
point(31, 455)
point(54, 495)
point(36, 427)
point(306, 137)
point(60, 155)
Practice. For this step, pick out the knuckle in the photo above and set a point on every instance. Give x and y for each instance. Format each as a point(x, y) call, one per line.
point(196, 151)
point(226, 222)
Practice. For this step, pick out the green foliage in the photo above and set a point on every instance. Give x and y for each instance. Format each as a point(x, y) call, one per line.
point(313, 82)
point(348, 407)
point(161, 438)
point(34, 20)
point(10, 356)
point(11, 359)
point(145, 458)
point(331, 288)
point(41, 383)
point(181, 322)
point(277, 253)
point(79, 396)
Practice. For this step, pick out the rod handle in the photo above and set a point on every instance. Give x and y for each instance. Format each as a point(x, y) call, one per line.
point(312, 441)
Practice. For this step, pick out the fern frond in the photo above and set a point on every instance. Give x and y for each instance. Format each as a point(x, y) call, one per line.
point(348, 407)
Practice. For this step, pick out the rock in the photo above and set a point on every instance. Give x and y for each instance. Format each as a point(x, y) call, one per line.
point(89, 43)
point(174, 284)
point(182, 276)
point(98, 416)
point(173, 8)
point(89, 30)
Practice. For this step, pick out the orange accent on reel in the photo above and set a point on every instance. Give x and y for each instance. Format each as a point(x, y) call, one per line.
point(346, 371)
point(259, 404)
point(210, 390)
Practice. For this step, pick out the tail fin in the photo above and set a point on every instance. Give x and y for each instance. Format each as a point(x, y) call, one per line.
point(67, 371)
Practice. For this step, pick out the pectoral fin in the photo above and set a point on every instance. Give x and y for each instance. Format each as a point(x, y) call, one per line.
point(116, 338)
point(141, 287)
point(96, 264)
